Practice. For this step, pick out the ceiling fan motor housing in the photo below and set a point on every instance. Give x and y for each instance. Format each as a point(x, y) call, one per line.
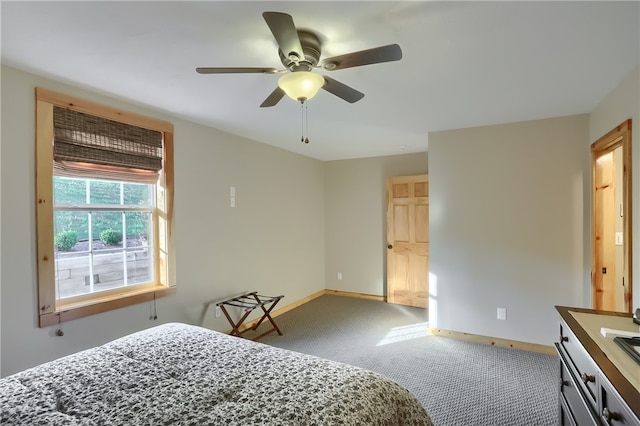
point(311, 49)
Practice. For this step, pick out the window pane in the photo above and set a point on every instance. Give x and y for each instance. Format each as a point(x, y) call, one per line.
point(106, 229)
point(139, 265)
point(68, 190)
point(104, 192)
point(139, 228)
point(72, 274)
point(71, 230)
point(139, 247)
point(138, 194)
point(108, 269)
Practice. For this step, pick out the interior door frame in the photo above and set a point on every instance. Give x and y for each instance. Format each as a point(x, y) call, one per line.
point(618, 137)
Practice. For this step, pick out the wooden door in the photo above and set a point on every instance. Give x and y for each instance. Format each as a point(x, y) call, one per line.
point(408, 240)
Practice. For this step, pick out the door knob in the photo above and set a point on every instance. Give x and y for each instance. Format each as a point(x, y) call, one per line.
point(389, 246)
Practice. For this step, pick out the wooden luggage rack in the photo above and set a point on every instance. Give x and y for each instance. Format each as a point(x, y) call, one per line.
point(248, 302)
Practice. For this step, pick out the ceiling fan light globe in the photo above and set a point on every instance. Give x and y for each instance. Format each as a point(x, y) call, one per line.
point(301, 85)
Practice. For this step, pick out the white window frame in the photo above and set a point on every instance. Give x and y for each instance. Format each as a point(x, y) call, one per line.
point(52, 310)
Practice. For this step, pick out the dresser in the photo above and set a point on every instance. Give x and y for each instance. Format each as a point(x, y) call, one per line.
point(599, 382)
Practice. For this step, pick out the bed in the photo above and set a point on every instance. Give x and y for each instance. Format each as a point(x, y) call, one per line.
point(181, 374)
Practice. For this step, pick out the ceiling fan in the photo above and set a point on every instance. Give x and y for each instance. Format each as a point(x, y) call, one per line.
point(300, 52)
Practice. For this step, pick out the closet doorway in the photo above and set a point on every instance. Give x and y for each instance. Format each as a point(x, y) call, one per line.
point(611, 220)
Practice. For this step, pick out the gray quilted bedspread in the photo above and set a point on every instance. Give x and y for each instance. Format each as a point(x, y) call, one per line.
point(177, 374)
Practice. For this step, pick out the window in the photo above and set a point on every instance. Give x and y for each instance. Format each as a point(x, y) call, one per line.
point(104, 208)
point(102, 235)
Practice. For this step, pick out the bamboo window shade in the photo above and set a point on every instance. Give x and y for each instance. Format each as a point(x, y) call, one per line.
point(85, 143)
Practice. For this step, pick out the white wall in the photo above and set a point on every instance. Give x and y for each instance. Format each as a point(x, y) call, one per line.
point(621, 104)
point(273, 241)
point(0, 234)
point(509, 223)
point(506, 226)
point(355, 194)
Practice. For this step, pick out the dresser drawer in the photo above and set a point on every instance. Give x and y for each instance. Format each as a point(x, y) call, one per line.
point(585, 367)
point(613, 411)
point(566, 418)
point(580, 411)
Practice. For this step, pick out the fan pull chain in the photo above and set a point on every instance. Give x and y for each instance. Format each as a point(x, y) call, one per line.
point(304, 122)
point(306, 140)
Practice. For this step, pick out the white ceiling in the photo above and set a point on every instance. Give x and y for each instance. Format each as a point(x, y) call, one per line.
point(465, 63)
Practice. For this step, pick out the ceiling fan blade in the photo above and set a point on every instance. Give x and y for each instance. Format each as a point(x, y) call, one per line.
point(391, 52)
point(273, 98)
point(285, 33)
point(226, 70)
point(341, 90)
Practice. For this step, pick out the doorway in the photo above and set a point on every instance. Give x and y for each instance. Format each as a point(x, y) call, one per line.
point(611, 220)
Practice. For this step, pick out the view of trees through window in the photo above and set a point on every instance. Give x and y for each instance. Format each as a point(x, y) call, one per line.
point(103, 234)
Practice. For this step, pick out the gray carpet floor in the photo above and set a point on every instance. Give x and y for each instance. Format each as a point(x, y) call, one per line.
point(459, 383)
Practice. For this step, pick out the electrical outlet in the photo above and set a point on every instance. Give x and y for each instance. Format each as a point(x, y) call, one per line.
point(339, 275)
point(502, 313)
point(218, 311)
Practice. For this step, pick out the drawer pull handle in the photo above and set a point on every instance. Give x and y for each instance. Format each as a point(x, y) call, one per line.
point(564, 338)
point(587, 378)
point(607, 416)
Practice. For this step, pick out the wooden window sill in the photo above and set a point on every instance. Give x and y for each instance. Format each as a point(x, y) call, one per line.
point(74, 310)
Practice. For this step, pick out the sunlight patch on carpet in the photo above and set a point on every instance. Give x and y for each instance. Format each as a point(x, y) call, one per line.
point(406, 332)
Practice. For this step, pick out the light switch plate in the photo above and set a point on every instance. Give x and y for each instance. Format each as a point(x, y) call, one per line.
point(502, 313)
